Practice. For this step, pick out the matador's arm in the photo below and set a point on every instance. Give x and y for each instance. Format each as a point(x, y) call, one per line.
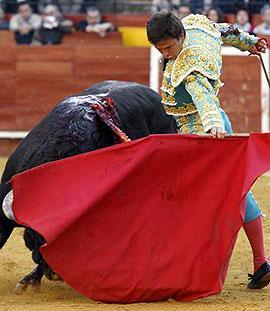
point(235, 37)
point(204, 97)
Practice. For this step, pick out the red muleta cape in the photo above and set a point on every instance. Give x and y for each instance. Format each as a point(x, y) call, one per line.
point(146, 220)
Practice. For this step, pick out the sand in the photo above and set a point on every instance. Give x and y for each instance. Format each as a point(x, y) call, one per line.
point(15, 263)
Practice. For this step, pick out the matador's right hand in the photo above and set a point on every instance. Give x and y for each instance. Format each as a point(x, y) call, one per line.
point(218, 132)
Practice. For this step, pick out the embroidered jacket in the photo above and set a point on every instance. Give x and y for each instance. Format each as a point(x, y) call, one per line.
point(191, 83)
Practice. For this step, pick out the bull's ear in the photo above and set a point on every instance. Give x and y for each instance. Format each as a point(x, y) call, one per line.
point(6, 225)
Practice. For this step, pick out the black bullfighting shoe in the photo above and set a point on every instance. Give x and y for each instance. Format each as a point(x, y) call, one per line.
point(260, 278)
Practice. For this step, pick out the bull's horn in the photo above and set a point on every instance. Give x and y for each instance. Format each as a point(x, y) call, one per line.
point(6, 225)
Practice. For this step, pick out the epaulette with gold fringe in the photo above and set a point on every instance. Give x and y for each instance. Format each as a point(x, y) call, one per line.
point(200, 22)
point(194, 58)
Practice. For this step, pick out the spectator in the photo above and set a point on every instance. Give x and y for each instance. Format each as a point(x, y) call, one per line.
point(215, 15)
point(264, 27)
point(3, 23)
point(94, 23)
point(53, 26)
point(183, 11)
point(242, 21)
point(24, 24)
point(161, 5)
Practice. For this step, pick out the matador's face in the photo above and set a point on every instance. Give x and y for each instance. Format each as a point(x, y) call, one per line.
point(171, 47)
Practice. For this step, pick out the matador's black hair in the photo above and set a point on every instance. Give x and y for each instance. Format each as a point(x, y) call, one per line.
point(162, 25)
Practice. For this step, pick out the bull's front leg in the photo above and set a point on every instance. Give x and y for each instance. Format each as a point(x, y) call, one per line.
point(6, 228)
point(33, 280)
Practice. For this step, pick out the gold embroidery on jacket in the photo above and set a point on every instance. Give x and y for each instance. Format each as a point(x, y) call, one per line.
point(194, 58)
point(167, 87)
point(183, 110)
point(200, 22)
point(167, 99)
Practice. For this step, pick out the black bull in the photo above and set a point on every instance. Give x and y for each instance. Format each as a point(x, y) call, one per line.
point(71, 128)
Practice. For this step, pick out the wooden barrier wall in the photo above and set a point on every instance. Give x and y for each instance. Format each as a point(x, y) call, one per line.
point(35, 78)
point(241, 95)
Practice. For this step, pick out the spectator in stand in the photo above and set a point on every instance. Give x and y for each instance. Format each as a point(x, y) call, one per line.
point(161, 5)
point(3, 23)
point(94, 23)
point(183, 11)
point(53, 26)
point(24, 24)
point(242, 20)
point(215, 15)
point(264, 27)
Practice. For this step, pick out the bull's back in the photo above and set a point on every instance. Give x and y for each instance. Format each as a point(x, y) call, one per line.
point(70, 129)
point(139, 108)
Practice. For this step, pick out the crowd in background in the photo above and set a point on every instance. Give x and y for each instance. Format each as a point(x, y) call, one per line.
point(49, 26)
point(226, 6)
point(43, 21)
point(242, 15)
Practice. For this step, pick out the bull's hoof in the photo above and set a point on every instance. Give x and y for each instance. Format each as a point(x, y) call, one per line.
point(22, 287)
point(32, 280)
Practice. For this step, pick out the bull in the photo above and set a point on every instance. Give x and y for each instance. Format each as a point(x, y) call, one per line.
point(72, 128)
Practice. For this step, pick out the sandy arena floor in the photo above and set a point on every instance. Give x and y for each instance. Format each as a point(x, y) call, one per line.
point(15, 263)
